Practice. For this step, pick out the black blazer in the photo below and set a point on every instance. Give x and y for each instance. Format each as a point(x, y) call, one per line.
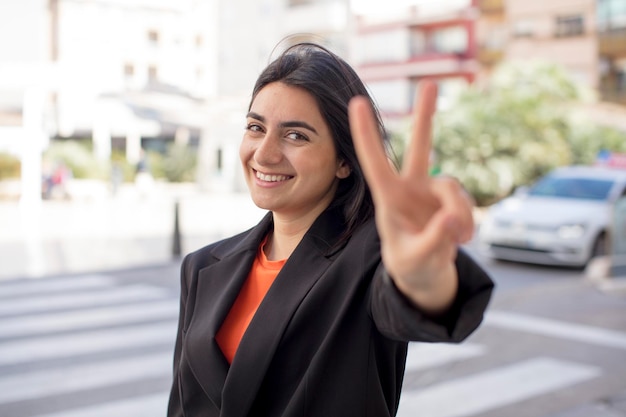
point(329, 339)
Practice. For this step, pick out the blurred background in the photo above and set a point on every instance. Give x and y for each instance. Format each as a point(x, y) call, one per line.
point(99, 96)
point(120, 122)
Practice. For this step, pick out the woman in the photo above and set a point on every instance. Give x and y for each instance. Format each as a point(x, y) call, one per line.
point(309, 313)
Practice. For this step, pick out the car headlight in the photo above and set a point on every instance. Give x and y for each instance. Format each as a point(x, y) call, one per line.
point(571, 231)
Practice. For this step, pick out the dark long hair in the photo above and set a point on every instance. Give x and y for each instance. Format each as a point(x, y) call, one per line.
point(332, 82)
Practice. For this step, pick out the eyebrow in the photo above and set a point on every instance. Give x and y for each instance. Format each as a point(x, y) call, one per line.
point(290, 123)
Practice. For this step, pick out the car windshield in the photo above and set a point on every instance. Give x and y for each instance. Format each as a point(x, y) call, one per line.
point(576, 188)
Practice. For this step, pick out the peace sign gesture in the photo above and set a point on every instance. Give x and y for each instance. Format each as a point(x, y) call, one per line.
point(421, 220)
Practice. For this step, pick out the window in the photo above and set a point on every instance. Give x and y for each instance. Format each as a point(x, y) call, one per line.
point(611, 14)
point(450, 40)
point(153, 37)
point(619, 66)
point(496, 38)
point(129, 70)
point(569, 26)
point(417, 42)
point(523, 28)
point(153, 73)
point(575, 188)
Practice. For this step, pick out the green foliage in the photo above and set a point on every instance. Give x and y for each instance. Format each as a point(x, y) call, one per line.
point(587, 140)
point(514, 129)
point(10, 166)
point(155, 164)
point(77, 157)
point(179, 163)
point(120, 163)
point(176, 165)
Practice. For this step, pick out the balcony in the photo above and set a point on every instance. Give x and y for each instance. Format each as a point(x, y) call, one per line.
point(441, 65)
point(612, 95)
point(489, 56)
point(491, 6)
point(612, 42)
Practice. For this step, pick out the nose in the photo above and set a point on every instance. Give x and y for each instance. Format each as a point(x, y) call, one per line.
point(268, 151)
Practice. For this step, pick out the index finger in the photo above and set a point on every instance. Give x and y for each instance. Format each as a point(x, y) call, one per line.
point(369, 145)
point(416, 162)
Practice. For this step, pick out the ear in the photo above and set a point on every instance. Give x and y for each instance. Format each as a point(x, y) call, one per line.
point(343, 170)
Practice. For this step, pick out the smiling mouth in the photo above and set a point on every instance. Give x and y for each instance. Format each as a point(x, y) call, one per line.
point(271, 177)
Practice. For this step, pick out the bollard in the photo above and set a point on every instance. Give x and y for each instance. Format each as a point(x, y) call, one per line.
point(176, 246)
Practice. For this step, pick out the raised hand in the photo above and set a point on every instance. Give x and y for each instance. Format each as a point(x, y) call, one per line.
point(421, 220)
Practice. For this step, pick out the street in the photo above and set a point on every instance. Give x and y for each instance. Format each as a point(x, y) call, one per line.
point(551, 345)
point(100, 344)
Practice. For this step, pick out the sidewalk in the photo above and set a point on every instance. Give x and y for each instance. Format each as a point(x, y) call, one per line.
point(129, 230)
point(124, 231)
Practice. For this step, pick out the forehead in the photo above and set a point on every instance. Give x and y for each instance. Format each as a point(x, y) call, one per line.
point(284, 102)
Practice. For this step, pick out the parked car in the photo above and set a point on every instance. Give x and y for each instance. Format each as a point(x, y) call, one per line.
point(563, 219)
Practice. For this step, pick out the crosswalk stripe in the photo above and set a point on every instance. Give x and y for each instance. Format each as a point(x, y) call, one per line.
point(48, 303)
point(54, 319)
point(89, 318)
point(429, 355)
point(64, 346)
point(488, 390)
point(83, 377)
point(48, 320)
point(53, 285)
point(555, 328)
point(145, 406)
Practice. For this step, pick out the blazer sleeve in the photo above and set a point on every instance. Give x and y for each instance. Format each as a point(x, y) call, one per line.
point(398, 319)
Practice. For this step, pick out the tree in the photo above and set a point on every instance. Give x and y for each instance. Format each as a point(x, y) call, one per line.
point(514, 128)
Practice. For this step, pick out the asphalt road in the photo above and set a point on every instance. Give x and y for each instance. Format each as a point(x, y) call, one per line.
point(100, 344)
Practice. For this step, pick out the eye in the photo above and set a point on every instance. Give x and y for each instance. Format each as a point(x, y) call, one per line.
point(254, 128)
point(297, 136)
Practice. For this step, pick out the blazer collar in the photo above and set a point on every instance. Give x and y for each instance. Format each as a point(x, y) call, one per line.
point(324, 234)
point(233, 390)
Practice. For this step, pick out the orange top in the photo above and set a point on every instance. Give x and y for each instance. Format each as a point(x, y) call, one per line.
point(261, 277)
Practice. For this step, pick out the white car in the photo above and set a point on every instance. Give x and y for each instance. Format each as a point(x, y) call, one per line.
point(563, 219)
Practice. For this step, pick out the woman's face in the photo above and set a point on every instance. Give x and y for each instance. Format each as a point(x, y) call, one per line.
point(288, 154)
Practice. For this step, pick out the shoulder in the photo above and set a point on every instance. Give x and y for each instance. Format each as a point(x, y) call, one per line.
point(365, 238)
point(208, 255)
point(240, 242)
point(215, 251)
point(360, 251)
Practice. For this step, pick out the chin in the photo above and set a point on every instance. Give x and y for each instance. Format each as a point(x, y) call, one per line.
point(262, 203)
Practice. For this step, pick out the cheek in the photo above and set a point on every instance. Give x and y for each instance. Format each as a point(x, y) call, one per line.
point(325, 169)
point(245, 151)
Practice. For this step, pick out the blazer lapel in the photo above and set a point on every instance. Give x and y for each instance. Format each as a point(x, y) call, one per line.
point(255, 352)
point(217, 288)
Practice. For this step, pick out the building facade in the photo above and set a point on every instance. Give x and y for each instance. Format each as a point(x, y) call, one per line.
point(586, 37)
point(427, 41)
point(611, 29)
point(560, 31)
point(133, 74)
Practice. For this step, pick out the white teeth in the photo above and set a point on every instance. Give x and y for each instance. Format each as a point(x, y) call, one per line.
point(271, 178)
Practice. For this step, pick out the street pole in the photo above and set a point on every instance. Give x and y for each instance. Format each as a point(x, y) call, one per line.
point(176, 241)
